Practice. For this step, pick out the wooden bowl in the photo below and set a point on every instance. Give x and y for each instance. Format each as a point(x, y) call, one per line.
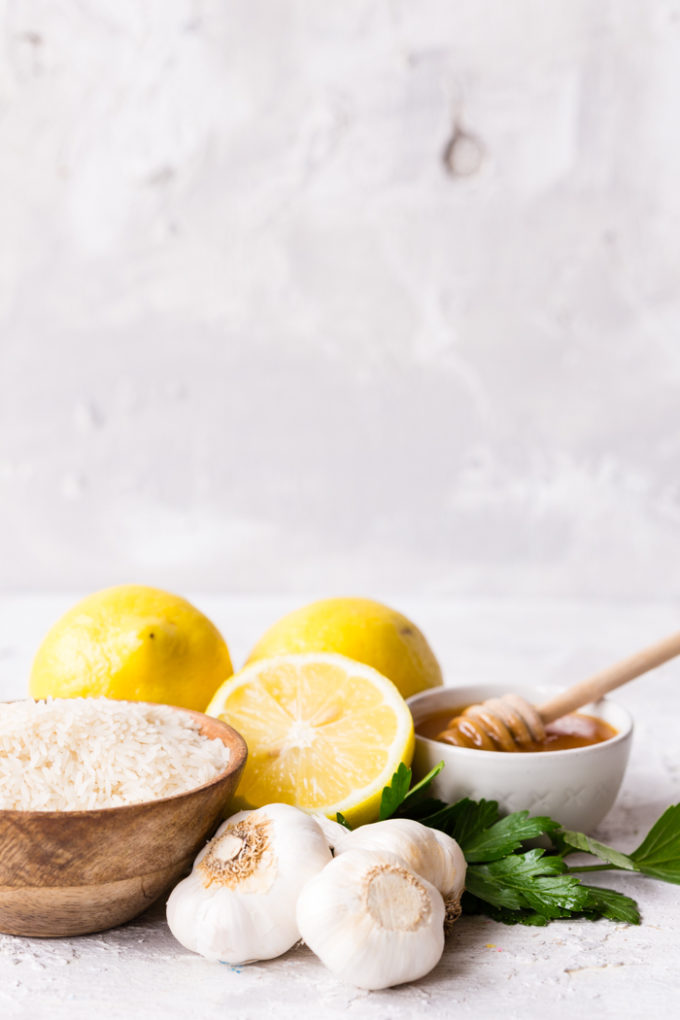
point(75, 872)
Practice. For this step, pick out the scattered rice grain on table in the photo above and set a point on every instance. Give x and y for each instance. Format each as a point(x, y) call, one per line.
point(75, 754)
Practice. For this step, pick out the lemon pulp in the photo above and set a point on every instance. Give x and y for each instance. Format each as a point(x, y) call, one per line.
point(324, 733)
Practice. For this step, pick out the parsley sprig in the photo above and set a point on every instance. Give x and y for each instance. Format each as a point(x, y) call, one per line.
point(515, 884)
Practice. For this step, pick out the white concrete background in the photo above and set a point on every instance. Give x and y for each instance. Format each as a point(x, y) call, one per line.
point(256, 336)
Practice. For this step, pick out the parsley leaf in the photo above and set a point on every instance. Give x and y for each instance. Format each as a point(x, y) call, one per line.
point(515, 885)
point(472, 905)
point(416, 795)
point(578, 841)
point(341, 820)
point(659, 853)
point(528, 880)
point(402, 798)
point(599, 903)
point(610, 904)
point(394, 794)
point(506, 836)
point(424, 809)
point(464, 820)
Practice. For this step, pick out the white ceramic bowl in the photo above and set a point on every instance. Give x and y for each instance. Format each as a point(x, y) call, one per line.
point(575, 787)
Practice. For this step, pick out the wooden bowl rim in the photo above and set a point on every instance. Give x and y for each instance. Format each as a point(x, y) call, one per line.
point(230, 737)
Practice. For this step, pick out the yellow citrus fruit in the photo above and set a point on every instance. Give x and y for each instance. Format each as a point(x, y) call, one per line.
point(324, 733)
point(363, 630)
point(132, 643)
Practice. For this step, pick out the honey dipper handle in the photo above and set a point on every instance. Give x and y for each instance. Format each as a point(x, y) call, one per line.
point(610, 678)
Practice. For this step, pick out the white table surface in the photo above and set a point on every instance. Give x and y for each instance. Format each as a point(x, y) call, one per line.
point(488, 969)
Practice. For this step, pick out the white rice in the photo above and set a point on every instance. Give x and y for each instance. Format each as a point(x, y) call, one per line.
point(75, 754)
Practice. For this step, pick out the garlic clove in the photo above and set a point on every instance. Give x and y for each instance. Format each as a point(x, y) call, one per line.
point(429, 852)
point(238, 903)
point(335, 833)
point(371, 920)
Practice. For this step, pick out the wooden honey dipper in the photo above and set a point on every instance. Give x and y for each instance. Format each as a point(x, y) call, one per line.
point(507, 722)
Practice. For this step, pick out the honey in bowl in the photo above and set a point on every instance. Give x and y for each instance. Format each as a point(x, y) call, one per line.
point(574, 730)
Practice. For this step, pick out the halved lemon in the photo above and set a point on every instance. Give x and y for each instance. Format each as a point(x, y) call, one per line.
point(324, 733)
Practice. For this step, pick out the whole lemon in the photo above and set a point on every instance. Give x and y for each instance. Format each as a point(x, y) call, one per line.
point(132, 643)
point(360, 629)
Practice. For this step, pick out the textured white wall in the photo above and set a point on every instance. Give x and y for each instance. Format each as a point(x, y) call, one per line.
point(256, 333)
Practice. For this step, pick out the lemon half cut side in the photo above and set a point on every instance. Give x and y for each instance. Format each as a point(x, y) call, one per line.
point(324, 733)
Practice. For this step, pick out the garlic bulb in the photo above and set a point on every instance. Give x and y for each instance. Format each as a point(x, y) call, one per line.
point(429, 852)
point(371, 921)
point(238, 903)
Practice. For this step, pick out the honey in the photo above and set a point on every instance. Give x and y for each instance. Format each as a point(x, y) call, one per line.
point(575, 730)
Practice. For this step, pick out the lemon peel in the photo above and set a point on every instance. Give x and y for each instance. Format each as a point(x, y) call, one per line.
point(362, 629)
point(133, 643)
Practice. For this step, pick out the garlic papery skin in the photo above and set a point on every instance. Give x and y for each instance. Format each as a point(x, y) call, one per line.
point(372, 921)
point(238, 903)
point(429, 852)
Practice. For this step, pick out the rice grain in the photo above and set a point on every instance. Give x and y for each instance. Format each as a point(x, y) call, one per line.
point(76, 754)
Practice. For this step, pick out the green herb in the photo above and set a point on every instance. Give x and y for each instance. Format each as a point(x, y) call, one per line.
point(467, 818)
point(612, 905)
point(528, 881)
point(657, 856)
point(516, 884)
point(659, 853)
point(396, 793)
point(506, 836)
point(403, 798)
point(577, 841)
